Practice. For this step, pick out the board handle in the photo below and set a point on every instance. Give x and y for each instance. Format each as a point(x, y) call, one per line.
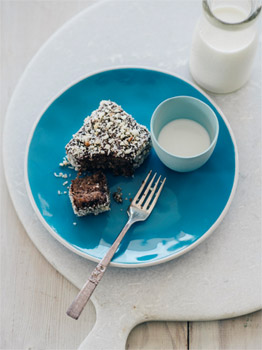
point(109, 332)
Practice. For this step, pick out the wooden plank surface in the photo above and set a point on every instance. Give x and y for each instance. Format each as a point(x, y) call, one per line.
point(159, 336)
point(240, 333)
point(34, 296)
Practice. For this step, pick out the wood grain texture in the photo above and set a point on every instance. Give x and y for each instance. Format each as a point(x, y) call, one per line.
point(34, 296)
point(240, 333)
point(158, 336)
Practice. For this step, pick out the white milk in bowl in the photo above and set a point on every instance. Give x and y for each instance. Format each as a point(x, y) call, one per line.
point(184, 138)
point(222, 55)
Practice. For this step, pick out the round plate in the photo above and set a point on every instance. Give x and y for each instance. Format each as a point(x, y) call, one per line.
point(191, 205)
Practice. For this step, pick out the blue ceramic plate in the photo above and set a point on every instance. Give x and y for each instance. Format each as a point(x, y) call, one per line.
point(191, 205)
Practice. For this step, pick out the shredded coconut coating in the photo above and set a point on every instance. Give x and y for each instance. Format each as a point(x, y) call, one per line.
point(98, 209)
point(109, 131)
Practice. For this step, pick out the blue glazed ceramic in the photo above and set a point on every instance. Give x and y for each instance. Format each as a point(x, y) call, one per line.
point(185, 107)
point(191, 204)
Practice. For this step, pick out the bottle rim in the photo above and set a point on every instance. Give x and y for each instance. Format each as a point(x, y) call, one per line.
point(251, 17)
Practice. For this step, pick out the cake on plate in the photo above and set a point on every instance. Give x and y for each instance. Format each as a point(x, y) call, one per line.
point(110, 138)
point(89, 194)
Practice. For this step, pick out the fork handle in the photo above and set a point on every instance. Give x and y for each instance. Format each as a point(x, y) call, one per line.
point(85, 293)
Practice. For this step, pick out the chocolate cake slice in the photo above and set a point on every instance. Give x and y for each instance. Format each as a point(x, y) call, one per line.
point(109, 139)
point(89, 195)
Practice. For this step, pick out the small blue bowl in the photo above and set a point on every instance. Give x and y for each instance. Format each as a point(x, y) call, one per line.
point(187, 108)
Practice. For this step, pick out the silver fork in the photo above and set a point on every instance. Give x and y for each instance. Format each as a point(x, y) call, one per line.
point(139, 210)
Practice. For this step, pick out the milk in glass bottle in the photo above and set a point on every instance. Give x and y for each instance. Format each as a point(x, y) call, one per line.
point(224, 44)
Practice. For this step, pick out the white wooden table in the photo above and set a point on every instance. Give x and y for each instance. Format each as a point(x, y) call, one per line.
point(34, 296)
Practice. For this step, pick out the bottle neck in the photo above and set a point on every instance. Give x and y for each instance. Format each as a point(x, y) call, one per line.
point(231, 15)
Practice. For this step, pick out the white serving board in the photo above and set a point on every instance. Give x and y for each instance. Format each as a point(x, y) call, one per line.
point(218, 279)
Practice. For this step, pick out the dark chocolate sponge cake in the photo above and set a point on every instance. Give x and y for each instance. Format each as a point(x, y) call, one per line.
point(89, 195)
point(109, 139)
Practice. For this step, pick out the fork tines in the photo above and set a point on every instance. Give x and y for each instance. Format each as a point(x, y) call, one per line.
point(146, 200)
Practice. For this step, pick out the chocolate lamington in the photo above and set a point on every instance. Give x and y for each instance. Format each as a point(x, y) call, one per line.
point(109, 139)
point(89, 194)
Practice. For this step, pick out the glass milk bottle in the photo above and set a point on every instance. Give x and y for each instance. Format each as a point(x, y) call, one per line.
point(224, 44)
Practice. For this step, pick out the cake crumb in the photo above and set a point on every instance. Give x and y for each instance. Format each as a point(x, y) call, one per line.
point(74, 223)
point(117, 196)
point(64, 176)
point(65, 162)
point(65, 183)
